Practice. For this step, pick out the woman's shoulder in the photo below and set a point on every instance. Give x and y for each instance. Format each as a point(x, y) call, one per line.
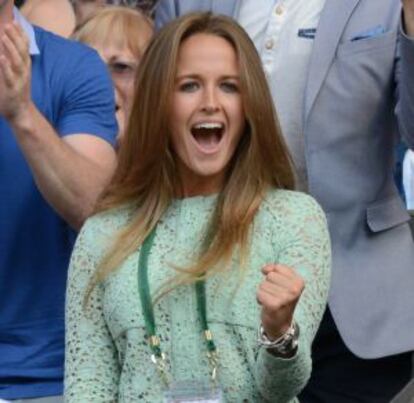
point(107, 223)
point(278, 198)
point(290, 205)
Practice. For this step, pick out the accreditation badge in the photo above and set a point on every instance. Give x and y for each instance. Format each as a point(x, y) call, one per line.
point(193, 392)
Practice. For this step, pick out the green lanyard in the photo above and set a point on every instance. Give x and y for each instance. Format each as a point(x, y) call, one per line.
point(158, 357)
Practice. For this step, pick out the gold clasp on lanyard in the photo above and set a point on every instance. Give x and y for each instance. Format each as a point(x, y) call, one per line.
point(161, 366)
point(158, 360)
point(213, 360)
point(154, 341)
point(212, 356)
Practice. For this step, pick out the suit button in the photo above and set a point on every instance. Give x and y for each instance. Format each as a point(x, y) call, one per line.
point(279, 10)
point(269, 44)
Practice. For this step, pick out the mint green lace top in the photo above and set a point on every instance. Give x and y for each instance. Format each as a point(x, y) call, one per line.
point(107, 355)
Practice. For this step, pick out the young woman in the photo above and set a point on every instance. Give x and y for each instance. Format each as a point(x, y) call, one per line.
point(120, 35)
point(203, 277)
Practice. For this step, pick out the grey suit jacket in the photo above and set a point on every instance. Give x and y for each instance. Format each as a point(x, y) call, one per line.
point(358, 95)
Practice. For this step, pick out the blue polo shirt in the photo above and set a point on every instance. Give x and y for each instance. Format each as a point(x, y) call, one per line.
point(72, 89)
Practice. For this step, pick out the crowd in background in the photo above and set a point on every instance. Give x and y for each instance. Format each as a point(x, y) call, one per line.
point(66, 16)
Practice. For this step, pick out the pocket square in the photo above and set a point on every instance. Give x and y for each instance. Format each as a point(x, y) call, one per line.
point(308, 33)
point(369, 33)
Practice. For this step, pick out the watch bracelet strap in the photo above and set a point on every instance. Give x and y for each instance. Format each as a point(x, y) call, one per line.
point(284, 344)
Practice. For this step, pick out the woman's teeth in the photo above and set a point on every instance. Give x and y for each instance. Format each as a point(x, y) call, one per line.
point(208, 134)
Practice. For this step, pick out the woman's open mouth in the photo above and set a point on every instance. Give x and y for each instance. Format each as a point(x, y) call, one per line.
point(208, 135)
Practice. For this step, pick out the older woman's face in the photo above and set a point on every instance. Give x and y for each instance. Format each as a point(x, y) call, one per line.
point(122, 64)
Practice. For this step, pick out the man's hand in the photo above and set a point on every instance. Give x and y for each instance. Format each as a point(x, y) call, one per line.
point(15, 72)
point(408, 7)
point(278, 295)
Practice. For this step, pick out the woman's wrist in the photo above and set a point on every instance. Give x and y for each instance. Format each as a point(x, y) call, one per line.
point(284, 346)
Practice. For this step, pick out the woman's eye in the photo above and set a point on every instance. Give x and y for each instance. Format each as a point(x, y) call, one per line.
point(121, 68)
point(190, 86)
point(229, 87)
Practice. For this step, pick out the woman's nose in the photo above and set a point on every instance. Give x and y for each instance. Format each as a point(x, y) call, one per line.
point(210, 101)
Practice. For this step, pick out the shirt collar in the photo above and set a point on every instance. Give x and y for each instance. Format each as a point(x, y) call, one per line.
point(28, 29)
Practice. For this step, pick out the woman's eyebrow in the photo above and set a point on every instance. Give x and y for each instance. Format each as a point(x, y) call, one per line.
point(230, 77)
point(186, 76)
point(197, 76)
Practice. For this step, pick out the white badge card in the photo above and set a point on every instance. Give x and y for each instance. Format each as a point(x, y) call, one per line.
point(193, 392)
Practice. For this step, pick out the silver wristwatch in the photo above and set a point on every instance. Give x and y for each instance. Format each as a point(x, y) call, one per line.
point(285, 344)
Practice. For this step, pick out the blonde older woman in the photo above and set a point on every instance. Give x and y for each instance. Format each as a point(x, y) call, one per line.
point(120, 35)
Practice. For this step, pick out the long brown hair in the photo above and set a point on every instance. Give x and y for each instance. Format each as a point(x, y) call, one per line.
point(146, 177)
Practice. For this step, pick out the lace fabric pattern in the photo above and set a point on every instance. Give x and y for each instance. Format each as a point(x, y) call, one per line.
point(107, 355)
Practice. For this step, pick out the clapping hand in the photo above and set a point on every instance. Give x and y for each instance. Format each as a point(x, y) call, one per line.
point(15, 72)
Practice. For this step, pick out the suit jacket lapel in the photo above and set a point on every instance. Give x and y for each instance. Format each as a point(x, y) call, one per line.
point(331, 25)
